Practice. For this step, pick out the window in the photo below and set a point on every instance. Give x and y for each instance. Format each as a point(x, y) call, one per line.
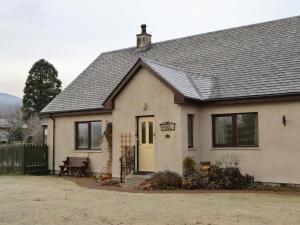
point(95, 135)
point(190, 130)
point(45, 134)
point(150, 132)
point(235, 130)
point(223, 128)
point(88, 135)
point(143, 132)
point(82, 135)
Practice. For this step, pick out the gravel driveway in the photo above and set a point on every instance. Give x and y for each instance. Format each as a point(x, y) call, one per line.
point(52, 200)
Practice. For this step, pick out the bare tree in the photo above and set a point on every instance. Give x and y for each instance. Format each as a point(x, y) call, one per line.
point(15, 125)
point(34, 130)
point(19, 131)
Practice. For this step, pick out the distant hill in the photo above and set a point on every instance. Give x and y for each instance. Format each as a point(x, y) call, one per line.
point(9, 102)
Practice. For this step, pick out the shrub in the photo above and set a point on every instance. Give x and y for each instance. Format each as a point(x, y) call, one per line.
point(189, 165)
point(166, 180)
point(220, 178)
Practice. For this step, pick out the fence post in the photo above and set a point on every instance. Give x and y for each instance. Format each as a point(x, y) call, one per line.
point(121, 169)
point(134, 171)
point(1, 160)
point(46, 156)
point(24, 158)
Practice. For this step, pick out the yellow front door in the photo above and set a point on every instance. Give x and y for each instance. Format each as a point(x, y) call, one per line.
point(146, 141)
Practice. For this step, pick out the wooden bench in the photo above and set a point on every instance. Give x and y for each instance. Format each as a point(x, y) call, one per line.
point(75, 164)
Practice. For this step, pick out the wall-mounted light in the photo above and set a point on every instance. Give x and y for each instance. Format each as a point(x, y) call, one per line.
point(145, 106)
point(284, 120)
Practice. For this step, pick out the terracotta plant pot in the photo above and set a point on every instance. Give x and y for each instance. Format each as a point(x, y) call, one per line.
point(105, 176)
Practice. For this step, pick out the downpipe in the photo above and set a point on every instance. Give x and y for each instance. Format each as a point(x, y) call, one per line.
point(53, 144)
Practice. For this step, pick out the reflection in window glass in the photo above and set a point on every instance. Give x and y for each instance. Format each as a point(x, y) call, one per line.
point(247, 129)
point(45, 135)
point(83, 135)
point(233, 130)
point(223, 130)
point(96, 135)
point(150, 132)
point(143, 132)
point(190, 130)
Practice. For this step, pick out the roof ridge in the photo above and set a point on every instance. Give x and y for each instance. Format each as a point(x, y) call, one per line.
point(184, 72)
point(206, 33)
point(194, 85)
point(161, 63)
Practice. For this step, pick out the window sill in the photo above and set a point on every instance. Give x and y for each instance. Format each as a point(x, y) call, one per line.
point(87, 151)
point(191, 149)
point(235, 148)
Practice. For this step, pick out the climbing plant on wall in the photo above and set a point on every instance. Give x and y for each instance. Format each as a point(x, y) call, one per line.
point(108, 136)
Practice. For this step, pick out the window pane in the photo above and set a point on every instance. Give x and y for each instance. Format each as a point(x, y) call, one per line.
point(83, 135)
point(223, 130)
point(150, 132)
point(143, 132)
point(96, 135)
point(190, 131)
point(247, 129)
point(45, 135)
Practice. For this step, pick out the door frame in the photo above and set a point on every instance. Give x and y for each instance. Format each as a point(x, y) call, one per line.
point(137, 141)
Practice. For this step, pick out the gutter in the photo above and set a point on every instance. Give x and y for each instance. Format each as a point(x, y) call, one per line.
point(53, 144)
point(68, 111)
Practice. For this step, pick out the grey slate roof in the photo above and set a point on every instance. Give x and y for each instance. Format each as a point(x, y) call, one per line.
point(177, 78)
point(256, 60)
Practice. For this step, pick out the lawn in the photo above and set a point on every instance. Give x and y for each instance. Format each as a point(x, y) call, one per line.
point(51, 200)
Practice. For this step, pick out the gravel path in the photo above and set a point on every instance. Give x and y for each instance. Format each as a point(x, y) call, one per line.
point(51, 200)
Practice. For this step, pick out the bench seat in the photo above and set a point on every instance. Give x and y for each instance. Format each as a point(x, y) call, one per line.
point(79, 165)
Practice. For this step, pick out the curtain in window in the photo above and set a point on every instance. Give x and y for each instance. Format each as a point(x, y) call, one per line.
point(223, 130)
point(96, 135)
point(83, 135)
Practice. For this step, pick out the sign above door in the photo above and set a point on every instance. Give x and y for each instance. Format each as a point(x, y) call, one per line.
point(167, 126)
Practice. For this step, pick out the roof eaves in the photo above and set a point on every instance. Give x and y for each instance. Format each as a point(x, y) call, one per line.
point(69, 111)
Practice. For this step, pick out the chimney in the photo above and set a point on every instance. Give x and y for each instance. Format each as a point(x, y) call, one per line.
point(143, 40)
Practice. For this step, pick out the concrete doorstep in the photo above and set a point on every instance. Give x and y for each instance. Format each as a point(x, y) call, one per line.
point(132, 181)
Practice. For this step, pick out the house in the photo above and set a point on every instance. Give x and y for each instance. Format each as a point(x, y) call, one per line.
point(232, 93)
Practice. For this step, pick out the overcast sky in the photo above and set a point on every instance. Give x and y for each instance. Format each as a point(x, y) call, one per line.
point(70, 34)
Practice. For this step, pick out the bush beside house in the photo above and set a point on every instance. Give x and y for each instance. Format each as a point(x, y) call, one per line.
point(166, 180)
point(216, 177)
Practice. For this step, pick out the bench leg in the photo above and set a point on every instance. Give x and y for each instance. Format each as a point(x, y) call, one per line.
point(79, 173)
point(62, 168)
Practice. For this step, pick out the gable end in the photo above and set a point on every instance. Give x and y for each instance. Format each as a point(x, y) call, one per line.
point(179, 98)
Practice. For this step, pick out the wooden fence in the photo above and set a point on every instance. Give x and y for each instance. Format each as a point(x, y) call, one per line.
point(23, 159)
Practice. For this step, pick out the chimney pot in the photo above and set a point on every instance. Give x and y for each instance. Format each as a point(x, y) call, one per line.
point(144, 26)
point(143, 39)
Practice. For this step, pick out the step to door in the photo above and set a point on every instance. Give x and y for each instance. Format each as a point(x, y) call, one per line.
point(132, 181)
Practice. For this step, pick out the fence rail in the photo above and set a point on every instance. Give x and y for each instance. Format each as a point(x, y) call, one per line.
point(23, 159)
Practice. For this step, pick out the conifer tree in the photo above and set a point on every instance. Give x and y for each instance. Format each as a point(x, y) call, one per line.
point(42, 85)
